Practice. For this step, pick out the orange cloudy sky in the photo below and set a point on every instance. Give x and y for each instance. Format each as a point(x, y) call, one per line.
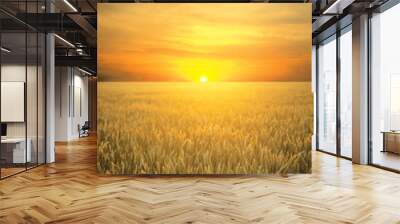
point(224, 42)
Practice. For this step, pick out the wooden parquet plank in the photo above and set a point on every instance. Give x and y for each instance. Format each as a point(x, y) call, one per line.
point(70, 191)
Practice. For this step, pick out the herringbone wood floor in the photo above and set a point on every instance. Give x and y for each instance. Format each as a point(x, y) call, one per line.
point(70, 191)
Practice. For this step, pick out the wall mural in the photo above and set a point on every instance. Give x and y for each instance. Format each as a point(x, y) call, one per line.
point(204, 88)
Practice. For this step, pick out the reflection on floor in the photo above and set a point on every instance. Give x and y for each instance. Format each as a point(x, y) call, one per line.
point(387, 159)
point(9, 170)
point(70, 191)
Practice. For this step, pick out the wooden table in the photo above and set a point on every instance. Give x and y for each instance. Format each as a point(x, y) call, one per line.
point(13, 150)
point(391, 141)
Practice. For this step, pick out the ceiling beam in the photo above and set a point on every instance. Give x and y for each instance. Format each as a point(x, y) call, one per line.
point(77, 61)
point(84, 24)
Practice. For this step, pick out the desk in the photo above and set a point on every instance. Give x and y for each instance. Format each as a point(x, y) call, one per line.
point(391, 141)
point(13, 150)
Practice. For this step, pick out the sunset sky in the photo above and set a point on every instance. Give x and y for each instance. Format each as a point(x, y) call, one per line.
point(223, 42)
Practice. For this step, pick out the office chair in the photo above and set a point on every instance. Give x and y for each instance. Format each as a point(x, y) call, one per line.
point(84, 130)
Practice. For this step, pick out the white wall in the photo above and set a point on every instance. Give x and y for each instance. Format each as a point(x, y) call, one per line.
point(71, 94)
point(80, 109)
point(13, 72)
point(62, 81)
point(16, 73)
point(13, 101)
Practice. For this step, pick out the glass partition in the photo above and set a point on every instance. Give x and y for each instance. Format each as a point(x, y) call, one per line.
point(22, 88)
point(14, 153)
point(41, 96)
point(31, 100)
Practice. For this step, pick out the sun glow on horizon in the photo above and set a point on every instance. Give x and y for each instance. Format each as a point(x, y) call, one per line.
point(203, 79)
point(182, 42)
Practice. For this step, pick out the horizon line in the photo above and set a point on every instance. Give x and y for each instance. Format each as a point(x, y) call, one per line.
point(199, 82)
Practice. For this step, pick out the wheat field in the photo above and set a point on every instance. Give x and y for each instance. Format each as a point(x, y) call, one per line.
point(213, 128)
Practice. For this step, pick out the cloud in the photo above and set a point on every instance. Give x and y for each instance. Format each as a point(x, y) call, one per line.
point(152, 42)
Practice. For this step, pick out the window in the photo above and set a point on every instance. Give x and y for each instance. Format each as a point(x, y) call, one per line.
point(327, 95)
point(385, 89)
point(346, 92)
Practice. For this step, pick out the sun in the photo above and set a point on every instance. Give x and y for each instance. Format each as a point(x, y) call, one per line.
point(203, 79)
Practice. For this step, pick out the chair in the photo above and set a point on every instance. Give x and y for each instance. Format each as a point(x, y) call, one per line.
point(84, 130)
